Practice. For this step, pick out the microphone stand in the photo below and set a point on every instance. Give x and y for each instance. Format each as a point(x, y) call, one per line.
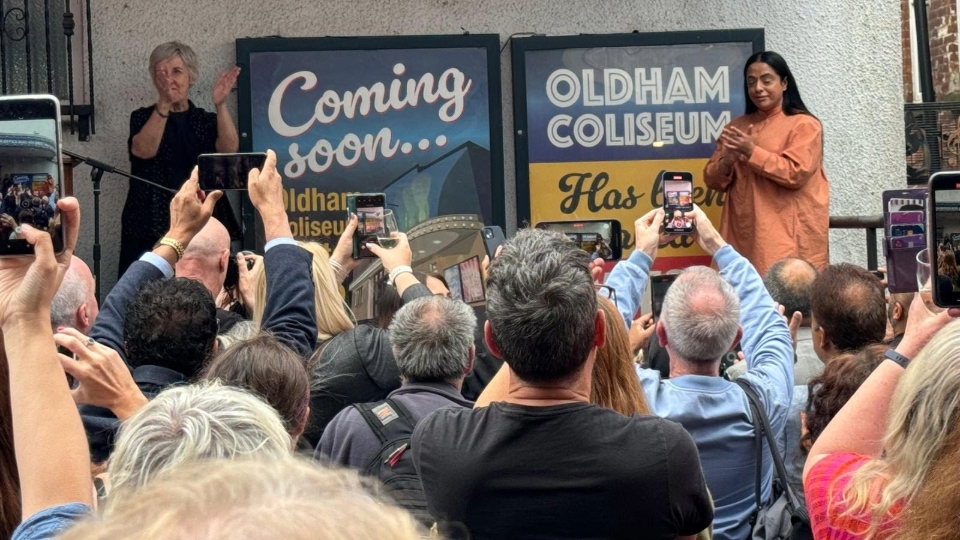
point(97, 168)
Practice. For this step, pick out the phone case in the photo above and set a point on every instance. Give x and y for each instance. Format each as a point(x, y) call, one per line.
point(904, 212)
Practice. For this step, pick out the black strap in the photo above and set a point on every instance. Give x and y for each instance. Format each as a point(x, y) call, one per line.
point(388, 419)
point(762, 424)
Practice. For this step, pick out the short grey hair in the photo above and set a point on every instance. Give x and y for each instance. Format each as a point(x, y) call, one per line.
point(431, 338)
point(241, 331)
point(701, 315)
point(73, 292)
point(191, 423)
point(168, 50)
point(542, 305)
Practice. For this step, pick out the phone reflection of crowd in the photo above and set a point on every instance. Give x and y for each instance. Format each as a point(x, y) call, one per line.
point(21, 204)
point(947, 269)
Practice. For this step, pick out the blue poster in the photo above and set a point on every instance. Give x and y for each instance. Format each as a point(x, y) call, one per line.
point(413, 123)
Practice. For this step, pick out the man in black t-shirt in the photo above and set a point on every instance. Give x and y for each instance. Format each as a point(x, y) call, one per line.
point(546, 463)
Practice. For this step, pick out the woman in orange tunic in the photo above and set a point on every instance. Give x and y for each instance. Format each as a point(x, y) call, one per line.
point(770, 163)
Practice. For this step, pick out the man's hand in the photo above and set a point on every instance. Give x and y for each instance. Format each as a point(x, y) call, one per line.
point(246, 286)
point(104, 379)
point(225, 83)
point(265, 188)
point(705, 234)
point(401, 255)
point(641, 331)
point(922, 325)
point(597, 267)
point(190, 209)
point(793, 323)
point(343, 253)
point(647, 231)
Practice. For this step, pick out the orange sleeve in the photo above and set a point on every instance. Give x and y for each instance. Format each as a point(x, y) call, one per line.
point(798, 162)
point(496, 389)
point(712, 176)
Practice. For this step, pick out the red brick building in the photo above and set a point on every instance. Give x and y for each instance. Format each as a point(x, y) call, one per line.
point(942, 26)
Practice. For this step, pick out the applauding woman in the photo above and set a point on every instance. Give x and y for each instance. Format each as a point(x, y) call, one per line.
point(770, 163)
point(165, 140)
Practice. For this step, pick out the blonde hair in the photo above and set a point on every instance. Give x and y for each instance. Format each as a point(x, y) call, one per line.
point(921, 429)
point(223, 500)
point(333, 315)
point(168, 50)
point(196, 422)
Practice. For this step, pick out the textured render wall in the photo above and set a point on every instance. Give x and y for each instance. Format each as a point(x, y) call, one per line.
point(845, 55)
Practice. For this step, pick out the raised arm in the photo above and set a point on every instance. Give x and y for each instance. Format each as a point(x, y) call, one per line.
point(49, 442)
point(629, 278)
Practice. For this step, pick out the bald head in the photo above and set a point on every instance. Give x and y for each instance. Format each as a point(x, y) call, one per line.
point(205, 259)
point(75, 304)
point(789, 282)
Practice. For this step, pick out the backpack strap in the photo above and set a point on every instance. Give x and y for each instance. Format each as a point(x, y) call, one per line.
point(761, 427)
point(388, 419)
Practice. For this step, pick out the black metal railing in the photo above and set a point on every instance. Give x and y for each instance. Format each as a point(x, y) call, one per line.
point(870, 224)
point(45, 49)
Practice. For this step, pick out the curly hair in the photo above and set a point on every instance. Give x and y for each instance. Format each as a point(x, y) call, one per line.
point(830, 391)
point(171, 323)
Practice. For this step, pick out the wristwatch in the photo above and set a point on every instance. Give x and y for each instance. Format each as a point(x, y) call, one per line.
point(900, 359)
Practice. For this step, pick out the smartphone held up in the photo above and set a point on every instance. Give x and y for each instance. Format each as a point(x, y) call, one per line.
point(938, 276)
point(31, 171)
point(228, 171)
point(677, 202)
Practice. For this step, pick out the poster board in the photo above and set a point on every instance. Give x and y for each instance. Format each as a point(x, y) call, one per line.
point(597, 118)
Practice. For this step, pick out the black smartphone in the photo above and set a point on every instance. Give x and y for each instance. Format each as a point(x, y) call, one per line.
point(600, 238)
point(369, 210)
point(943, 224)
point(493, 238)
point(31, 171)
point(228, 171)
point(659, 285)
point(233, 271)
point(677, 202)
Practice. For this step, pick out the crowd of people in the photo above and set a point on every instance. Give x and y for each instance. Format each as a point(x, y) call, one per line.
point(184, 408)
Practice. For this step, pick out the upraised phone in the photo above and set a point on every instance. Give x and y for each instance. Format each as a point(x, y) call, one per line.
point(601, 238)
point(677, 202)
point(943, 226)
point(228, 171)
point(31, 171)
point(493, 238)
point(369, 209)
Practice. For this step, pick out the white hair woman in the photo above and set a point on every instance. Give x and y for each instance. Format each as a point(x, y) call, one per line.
point(165, 140)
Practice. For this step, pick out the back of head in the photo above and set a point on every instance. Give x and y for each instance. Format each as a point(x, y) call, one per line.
point(206, 256)
point(269, 369)
point(73, 292)
point(171, 323)
point(701, 315)
point(192, 423)
point(432, 339)
point(387, 301)
point(848, 302)
point(615, 382)
point(830, 391)
point(542, 306)
point(789, 282)
point(284, 499)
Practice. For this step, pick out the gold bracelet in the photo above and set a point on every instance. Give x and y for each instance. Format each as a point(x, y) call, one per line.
point(174, 244)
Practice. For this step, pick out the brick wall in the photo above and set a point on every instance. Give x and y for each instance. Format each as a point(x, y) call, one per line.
point(942, 25)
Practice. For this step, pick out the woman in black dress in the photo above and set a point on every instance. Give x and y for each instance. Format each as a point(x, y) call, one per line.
point(165, 140)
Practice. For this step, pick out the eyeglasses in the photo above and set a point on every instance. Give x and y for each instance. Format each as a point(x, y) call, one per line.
point(607, 292)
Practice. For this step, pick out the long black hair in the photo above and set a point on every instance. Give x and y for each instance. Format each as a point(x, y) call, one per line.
point(792, 103)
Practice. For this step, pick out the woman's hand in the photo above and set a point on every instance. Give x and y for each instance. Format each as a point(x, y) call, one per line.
point(738, 141)
point(343, 253)
point(401, 255)
point(225, 83)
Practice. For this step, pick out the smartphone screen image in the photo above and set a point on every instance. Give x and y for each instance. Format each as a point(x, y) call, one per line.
point(600, 238)
point(227, 171)
point(369, 210)
point(944, 226)
point(31, 169)
point(677, 202)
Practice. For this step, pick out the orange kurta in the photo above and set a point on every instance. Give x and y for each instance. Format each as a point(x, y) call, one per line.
point(778, 201)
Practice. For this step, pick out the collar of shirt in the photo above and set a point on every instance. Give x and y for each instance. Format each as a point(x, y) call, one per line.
point(157, 375)
point(446, 390)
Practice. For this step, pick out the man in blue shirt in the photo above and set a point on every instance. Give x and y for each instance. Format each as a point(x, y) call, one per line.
point(700, 321)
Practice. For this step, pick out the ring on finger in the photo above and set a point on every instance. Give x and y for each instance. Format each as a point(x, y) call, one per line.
point(91, 342)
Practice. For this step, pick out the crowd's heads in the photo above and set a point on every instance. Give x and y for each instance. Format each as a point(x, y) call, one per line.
point(171, 49)
point(270, 370)
point(615, 384)
point(75, 304)
point(700, 316)
point(848, 310)
point(171, 323)
point(192, 423)
point(542, 306)
point(830, 391)
point(268, 499)
point(206, 257)
point(432, 339)
point(789, 282)
point(387, 301)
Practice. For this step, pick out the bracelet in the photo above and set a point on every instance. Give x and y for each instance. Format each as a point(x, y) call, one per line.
point(900, 359)
point(174, 244)
point(160, 114)
point(397, 271)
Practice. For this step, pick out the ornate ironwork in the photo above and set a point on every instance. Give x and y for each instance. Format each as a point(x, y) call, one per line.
point(19, 16)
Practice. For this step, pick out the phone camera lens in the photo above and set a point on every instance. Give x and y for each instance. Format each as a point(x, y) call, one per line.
point(487, 234)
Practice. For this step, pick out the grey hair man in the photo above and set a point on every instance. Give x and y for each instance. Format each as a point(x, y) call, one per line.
point(75, 305)
point(700, 321)
point(545, 449)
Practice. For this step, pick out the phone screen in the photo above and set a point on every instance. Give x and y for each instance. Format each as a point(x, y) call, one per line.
point(944, 285)
point(369, 210)
point(677, 202)
point(227, 171)
point(599, 238)
point(30, 171)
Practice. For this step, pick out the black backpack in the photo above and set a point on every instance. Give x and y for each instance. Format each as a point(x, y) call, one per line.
point(393, 463)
